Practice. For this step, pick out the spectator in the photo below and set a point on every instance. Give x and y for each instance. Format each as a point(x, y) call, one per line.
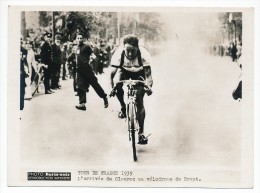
point(103, 57)
point(31, 70)
point(63, 60)
point(239, 50)
point(71, 61)
point(56, 62)
point(23, 64)
point(85, 75)
point(46, 59)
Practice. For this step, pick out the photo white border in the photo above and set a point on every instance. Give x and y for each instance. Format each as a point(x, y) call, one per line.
point(3, 92)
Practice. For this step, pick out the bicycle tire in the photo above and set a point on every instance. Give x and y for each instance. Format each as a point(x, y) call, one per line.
point(34, 87)
point(35, 84)
point(132, 129)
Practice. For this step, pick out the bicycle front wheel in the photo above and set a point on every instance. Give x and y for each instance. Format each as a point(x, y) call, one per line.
point(132, 116)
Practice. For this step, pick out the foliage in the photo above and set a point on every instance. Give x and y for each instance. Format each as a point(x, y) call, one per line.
point(234, 26)
point(103, 24)
point(44, 18)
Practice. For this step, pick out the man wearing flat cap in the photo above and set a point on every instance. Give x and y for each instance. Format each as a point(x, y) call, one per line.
point(56, 62)
point(46, 59)
point(84, 73)
point(132, 62)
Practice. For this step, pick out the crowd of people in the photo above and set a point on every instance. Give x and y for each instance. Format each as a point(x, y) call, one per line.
point(82, 61)
point(234, 50)
point(53, 59)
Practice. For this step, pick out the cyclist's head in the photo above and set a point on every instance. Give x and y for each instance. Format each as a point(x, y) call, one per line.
point(131, 46)
point(131, 39)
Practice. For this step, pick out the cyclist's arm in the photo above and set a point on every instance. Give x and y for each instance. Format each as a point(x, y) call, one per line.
point(112, 75)
point(148, 76)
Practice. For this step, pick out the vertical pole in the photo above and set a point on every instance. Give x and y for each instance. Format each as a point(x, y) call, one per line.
point(136, 21)
point(115, 26)
point(235, 30)
point(23, 25)
point(53, 27)
point(118, 26)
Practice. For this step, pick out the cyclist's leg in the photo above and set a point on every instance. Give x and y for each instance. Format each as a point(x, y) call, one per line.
point(141, 116)
point(120, 94)
point(140, 110)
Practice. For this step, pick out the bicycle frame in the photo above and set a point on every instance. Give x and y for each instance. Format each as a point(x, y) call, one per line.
point(37, 80)
point(131, 109)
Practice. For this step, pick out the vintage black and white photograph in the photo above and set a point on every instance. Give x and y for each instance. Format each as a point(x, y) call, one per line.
point(130, 97)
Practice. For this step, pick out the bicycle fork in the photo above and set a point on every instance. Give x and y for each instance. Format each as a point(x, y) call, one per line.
point(133, 125)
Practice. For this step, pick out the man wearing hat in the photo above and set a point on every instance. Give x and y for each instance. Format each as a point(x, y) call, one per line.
point(132, 62)
point(56, 62)
point(103, 58)
point(84, 73)
point(47, 60)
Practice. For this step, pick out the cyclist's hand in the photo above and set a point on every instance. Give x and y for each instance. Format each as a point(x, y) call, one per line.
point(149, 91)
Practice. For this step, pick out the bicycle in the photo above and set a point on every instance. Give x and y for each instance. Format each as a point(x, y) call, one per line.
point(37, 84)
point(131, 108)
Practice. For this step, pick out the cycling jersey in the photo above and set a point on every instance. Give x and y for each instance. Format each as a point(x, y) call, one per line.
point(131, 65)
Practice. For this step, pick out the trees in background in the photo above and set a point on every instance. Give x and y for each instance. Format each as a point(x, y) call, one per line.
point(95, 25)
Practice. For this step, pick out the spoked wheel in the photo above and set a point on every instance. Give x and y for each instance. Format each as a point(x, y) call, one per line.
point(37, 85)
point(132, 129)
point(34, 87)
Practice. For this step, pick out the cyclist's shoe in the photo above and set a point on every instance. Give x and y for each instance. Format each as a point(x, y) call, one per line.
point(105, 102)
point(142, 140)
point(83, 108)
point(149, 91)
point(122, 113)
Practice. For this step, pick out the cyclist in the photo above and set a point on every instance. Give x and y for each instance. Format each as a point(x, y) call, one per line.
point(133, 62)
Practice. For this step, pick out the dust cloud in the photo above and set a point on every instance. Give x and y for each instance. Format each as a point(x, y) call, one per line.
point(192, 112)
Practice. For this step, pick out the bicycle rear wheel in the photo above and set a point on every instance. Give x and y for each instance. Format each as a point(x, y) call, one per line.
point(34, 84)
point(132, 129)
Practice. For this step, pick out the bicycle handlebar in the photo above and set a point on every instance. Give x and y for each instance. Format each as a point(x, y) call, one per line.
point(129, 82)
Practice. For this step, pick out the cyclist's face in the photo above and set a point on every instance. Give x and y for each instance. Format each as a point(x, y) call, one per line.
point(80, 39)
point(130, 51)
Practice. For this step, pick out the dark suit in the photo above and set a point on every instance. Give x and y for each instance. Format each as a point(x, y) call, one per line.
point(23, 62)
point(47, 60)
point(56, 66)
point(85, 75)
point(72, 67)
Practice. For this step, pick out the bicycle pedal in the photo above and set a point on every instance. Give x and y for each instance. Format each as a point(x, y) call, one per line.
point(148, 136)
